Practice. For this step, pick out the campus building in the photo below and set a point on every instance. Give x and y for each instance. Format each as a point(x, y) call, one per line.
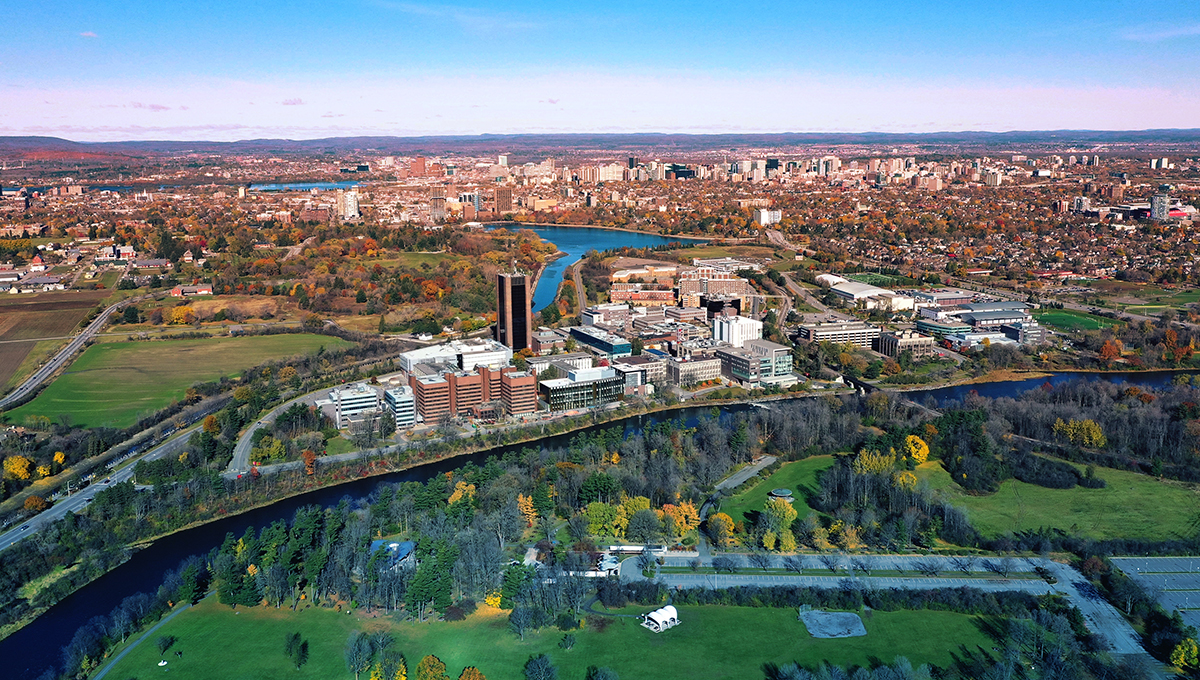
point(514, 323)
point(840, 332)
point(896, 343)
point(401, 402)
point(352, 401)
point(736, 330)
point(583, 389)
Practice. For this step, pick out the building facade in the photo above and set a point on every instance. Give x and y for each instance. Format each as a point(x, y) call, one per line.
point(514, 323)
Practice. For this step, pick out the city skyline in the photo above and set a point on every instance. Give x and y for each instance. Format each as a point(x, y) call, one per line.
point(224, 71)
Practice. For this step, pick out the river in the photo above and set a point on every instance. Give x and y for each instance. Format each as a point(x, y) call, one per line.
point(303, 186)
point(34, 648)
point(576, 242)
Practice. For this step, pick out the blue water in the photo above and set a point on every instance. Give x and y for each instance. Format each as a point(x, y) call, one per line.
point(303, 186)
point(575, 242)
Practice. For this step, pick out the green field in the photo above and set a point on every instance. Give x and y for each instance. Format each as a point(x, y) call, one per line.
point(710, 642)
point(799, 476)
point(415, 260)
point(1069, 319)
point(111, 384)
point(872, 279)
point(1131, 506)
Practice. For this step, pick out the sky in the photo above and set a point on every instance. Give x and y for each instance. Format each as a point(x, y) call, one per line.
point(224, 70)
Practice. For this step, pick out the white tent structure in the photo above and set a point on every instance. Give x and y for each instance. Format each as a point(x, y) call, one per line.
point(661, 619)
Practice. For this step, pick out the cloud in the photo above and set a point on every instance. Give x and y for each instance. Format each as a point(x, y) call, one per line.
point(1160, 34)
point(88, 34)
point(293, 102)
point(468, 18)
point(150, 107)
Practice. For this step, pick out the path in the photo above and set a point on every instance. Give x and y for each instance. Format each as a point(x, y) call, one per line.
point(738, 478)
point(104, 671)
point(576, 274)
point(27, 388)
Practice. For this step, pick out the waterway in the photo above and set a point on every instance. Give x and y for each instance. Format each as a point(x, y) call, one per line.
point(576, 242)
point(303, 186)
point(29, 651)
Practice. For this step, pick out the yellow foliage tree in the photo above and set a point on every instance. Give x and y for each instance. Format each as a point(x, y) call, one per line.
point(17, 467)
point(463, 490)
point(287, 373)
point(768, 539)
point(1186, 654)
point(905, 480)
point(492, 599)
point(787, 542)
point(873, 462)
point(183, 315)
point(525, 505)
point(60, 458)
point(471, 673)
point(43, 470)
point(720, 528)
point(916, 448)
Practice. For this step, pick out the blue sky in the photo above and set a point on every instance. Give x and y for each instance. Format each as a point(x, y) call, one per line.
point(228, 70)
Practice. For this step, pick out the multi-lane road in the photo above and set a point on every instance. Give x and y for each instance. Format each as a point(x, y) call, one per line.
point(63, 357)
point(78, 500)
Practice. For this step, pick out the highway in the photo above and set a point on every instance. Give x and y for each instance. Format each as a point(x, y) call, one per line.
point(63, 357)
point(78, 500)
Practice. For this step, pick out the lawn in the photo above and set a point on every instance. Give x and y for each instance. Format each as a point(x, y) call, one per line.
point(1069, 319)
point(111, 384)
point(415, 260)
point(799, 476)
point(1131, 506)
point(710, 642)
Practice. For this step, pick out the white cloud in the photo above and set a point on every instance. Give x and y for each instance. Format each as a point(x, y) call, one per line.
point(88, 34)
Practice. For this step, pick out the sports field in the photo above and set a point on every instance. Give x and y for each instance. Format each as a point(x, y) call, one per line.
point(799, 476)
point(710, 642)
point(1131, 506)
point(112, 384)
point(26, 319)
point(1069, 319)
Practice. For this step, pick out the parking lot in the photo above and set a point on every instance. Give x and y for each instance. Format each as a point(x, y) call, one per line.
point(1173, 581)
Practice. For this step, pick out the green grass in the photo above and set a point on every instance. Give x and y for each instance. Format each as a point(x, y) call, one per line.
point(415, 260)
point(112, 384)
point(1069, 319)
point(799, 476)
point(711, 642)
point(1131, 506)
point(339, 445)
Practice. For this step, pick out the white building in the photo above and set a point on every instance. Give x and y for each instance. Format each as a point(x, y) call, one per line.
point(351, 401)
point(402, 404)
point(736, 330)
point(767, 217)
point(466, 354)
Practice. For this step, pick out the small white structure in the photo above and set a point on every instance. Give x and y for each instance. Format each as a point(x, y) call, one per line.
point(661, 619)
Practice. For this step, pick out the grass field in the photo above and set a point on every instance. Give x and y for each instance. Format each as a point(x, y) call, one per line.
point(707, 251)
point(1069, 319)
point(415, 260)
point(32, 317)
point(710, 642)
point(872, 279)
point(1131, 506)
point(799, 476)
point(112, 384)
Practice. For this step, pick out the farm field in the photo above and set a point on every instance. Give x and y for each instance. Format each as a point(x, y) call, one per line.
point(28, 318)
point(1131, 506)
point(1069, 319)
point(112, 384)
point(710, 642)
point(800, 476)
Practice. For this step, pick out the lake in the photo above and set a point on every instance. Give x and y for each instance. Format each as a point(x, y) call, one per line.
point(575, 242)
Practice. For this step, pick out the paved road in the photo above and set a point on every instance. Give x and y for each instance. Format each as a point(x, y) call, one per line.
point(240, 464)
point(78, 500)
point(576, 273)
point(63, 357)
point(109, 666)
point(736, 479)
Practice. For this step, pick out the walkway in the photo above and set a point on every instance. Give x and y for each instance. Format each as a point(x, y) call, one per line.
point(104, 671)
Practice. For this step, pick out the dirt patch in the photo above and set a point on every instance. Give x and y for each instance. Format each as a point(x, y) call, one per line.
point(833, 624)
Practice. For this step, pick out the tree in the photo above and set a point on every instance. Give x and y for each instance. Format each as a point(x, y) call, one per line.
point(296, 650)
point(36, 503)
point(1109, 351)
point(540, 668)
point(165, 642)
point(644, 527)
point(393, 666)
point(601, 673)
point(17, 467)
point(358, 653)
point(720, 529)
point(525, 505)
point(310, 462)
point(1186, 654)
point(431, 668)
point(916, 448)
point(471, 673)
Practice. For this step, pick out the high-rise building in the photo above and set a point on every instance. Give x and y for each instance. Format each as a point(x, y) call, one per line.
point(502, 160)
point(504, 200)
point(514, 323)
point(1160, 207)
point(416, 167)
point(633, 162)
point(736, 330)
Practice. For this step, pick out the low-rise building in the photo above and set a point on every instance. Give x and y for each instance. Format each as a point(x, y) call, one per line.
point(582, 389)
point(401, 402)
point(855, 332)
point(940, 329)
point(353, 401)
point(736, 330)
point(696, 369)
point(896, 343)
point(1026, 332)
point(608, 344)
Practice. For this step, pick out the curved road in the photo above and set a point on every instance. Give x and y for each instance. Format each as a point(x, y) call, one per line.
point(64, 356)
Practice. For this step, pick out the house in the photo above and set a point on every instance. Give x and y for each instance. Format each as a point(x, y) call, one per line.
point(37, 264)
point(189, 291)
point(400, 554)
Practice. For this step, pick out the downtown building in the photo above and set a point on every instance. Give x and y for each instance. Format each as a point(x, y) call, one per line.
point(514, 323)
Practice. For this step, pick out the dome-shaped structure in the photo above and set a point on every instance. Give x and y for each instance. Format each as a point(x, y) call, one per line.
point(661, 619)
point(829, 280)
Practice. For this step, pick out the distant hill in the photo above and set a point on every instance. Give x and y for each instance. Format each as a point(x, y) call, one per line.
point(529, 143)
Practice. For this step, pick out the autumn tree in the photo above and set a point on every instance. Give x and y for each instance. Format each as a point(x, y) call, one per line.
point(1186, 654)
point(471, 673)
point(916, 449)
point(17, 467)
point(525, 505)
point(211, 425)
point(358, 653)
point(720, 529)
point(36, 504)
point(310, 462)
point(1109, 351)
point(431, 668)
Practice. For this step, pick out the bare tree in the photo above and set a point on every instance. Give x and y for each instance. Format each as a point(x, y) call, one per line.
point(930, 567)
point(832, 562)
point(760, 559)
point(861, 564)
point(794, 563)
point(963, 563)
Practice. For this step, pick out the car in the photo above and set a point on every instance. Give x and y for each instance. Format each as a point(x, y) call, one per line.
point(25, 528)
